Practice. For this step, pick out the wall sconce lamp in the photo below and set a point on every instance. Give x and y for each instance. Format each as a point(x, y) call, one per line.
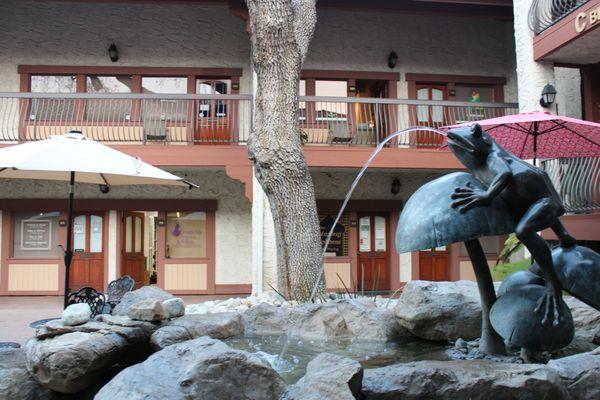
point(548, 95)
point(392, 59)
point(396, 185)
point(352, 88)
point(113, 53)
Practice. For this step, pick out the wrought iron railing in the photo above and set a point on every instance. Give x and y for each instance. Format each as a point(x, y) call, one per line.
point(220, 119)
point(545, 13)
point(577, 181)
point(127, 118)
point(367, 121)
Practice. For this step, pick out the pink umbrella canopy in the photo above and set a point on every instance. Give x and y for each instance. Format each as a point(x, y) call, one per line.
point(541, 134)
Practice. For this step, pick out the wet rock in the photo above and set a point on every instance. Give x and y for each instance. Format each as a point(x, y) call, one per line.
point(76, 314)
point(348, 318)
point(174, 307)
point(267, 319)
point(328, 377)
point(15, 381)
point(585, 318)
point(151, 292)
point(580, 373)
point(217, 326)
point(202, 368)
point(148, 310)
point(440, 310)
point(463, 380)
point(73, 361)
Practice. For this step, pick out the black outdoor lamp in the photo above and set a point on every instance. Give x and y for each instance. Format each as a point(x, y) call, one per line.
point(396, 186)
point(113, 53)
point(548, 95)
point(392, 59)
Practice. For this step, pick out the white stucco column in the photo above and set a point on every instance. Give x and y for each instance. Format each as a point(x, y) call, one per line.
point(112, 245)
point(532, 76)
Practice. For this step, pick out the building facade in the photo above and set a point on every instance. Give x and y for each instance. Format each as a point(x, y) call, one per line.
point(173, 84)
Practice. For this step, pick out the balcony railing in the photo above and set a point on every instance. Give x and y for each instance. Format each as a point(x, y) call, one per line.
point(577, 181)
point(545, 13)
point(367, 121)
point(127, 118)
point(222, 119)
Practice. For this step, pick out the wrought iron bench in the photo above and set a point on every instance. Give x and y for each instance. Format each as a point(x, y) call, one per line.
point(116, 291)
point(91, 296)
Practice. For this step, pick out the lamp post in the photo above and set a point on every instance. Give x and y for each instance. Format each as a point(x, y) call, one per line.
point(548, 95)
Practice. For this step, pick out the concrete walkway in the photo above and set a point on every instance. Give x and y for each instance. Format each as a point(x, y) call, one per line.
point(17, 312)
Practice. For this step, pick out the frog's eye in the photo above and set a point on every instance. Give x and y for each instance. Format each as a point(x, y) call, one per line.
point(476, 130)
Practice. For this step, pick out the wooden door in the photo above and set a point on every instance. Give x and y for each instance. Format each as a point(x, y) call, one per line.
point(434, 264)
point(133, 261)
point(432, 116)
point(87, 267)
point(373, 251)
point(213, 122)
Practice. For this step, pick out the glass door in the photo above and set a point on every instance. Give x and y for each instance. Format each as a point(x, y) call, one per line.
point(87, 267)
point(373, 260)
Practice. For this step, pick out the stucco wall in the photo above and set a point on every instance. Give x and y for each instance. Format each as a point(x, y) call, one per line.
point(233, 217)
point(568, 91)
point(69, 33)
point(424, 44)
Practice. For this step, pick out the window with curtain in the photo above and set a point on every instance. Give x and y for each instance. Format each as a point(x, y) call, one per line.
point(186, 234)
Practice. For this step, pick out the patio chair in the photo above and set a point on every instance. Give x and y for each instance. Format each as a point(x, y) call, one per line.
point(155, 129)
point(89, 295)
point(116, 291)
point(340, 134)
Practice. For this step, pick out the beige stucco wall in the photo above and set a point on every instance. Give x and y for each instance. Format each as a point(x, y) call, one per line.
point(233, 217)
point(149, 35)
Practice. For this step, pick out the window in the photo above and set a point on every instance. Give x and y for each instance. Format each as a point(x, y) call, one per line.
point(35, 235)
point(53, 84)
point(475, 94)
point(156, 114)
point(330, 110)
point(212, 108)
point(52, 109)
point(186, 235)
point(490, 246)
point(108, 110)
point(430, 115)
point(338, 245)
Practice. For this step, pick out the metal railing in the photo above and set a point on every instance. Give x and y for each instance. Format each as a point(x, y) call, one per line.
point(367, 121)
point(545, 13)
point(577, 181)
point(220, 119)
point(127, 118)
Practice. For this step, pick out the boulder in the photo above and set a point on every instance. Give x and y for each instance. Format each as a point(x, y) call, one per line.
point(267, 319)
point(345, 319)
point(202, 368)
point(15, 381)
point(458, 380)
point(148, 310)
point(441, 311)
point(174, 307)
point(217, 326)
point(84, 355)
point(580, 373)
point(328, 377)
point(76, 314)
point(151, 292)
point(585, 318)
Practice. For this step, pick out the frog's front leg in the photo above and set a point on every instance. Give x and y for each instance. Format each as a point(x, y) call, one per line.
point(469, 197)
point(541, 215)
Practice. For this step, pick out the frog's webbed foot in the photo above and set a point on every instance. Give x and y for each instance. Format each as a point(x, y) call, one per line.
point(468, 197)
point(550, 302)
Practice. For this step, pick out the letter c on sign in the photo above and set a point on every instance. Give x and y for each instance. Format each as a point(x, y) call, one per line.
point(579, 27)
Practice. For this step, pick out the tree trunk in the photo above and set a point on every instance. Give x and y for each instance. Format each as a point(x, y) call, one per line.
point(280, 32)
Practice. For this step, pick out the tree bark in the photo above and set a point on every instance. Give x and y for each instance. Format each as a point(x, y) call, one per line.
point(280, 32)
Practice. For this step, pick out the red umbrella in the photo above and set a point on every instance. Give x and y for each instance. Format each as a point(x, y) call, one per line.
point(528, 135)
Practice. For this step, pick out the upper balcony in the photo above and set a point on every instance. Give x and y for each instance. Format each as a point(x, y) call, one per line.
point(545, 13)
point(151, 119)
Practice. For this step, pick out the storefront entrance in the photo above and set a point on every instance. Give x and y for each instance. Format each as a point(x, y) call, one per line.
point(434, 264)
point(87, 267)
point(373, 252)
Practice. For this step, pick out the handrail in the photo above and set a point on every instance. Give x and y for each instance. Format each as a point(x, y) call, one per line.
point(125, 96)
point(545, 13)
point(410, 102)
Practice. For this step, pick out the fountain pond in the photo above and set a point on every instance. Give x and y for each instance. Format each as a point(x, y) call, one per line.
point(291, 363)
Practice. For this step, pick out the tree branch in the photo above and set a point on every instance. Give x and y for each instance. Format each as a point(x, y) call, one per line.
point(305, 20)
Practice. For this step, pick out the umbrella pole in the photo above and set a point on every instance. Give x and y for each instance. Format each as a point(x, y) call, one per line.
point(69, 250)
point(535, 136)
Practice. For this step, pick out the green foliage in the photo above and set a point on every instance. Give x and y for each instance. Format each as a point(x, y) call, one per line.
point(501, 271)
point(511, 246)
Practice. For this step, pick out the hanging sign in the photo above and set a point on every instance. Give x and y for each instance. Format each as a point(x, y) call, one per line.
point(337, 242)
point(36, 234)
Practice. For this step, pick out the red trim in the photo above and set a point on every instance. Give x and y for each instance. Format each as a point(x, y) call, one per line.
point(336, 74)
point(146, 71)
point(109, 204)
point(233, 289)
point(471, 79)
point(360, 205)
point(581, 226)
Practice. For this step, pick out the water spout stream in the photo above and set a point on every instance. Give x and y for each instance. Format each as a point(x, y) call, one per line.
point(353, 186)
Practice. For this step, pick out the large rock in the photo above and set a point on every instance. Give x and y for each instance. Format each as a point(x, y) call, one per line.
point(148, 310)
point(580, 374)
point(328, 377)
point(202, 368)
point(174, 307)
point(267, 319)
point(68, 359)
point(349, 319)
point(440, 310)
point(458, 380)
point(585, 318)
point(151, 292)
point(16, 383)
point(77, 314)
point(217, 326)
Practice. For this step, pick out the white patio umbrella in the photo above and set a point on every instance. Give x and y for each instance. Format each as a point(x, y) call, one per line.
point(72, 157)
